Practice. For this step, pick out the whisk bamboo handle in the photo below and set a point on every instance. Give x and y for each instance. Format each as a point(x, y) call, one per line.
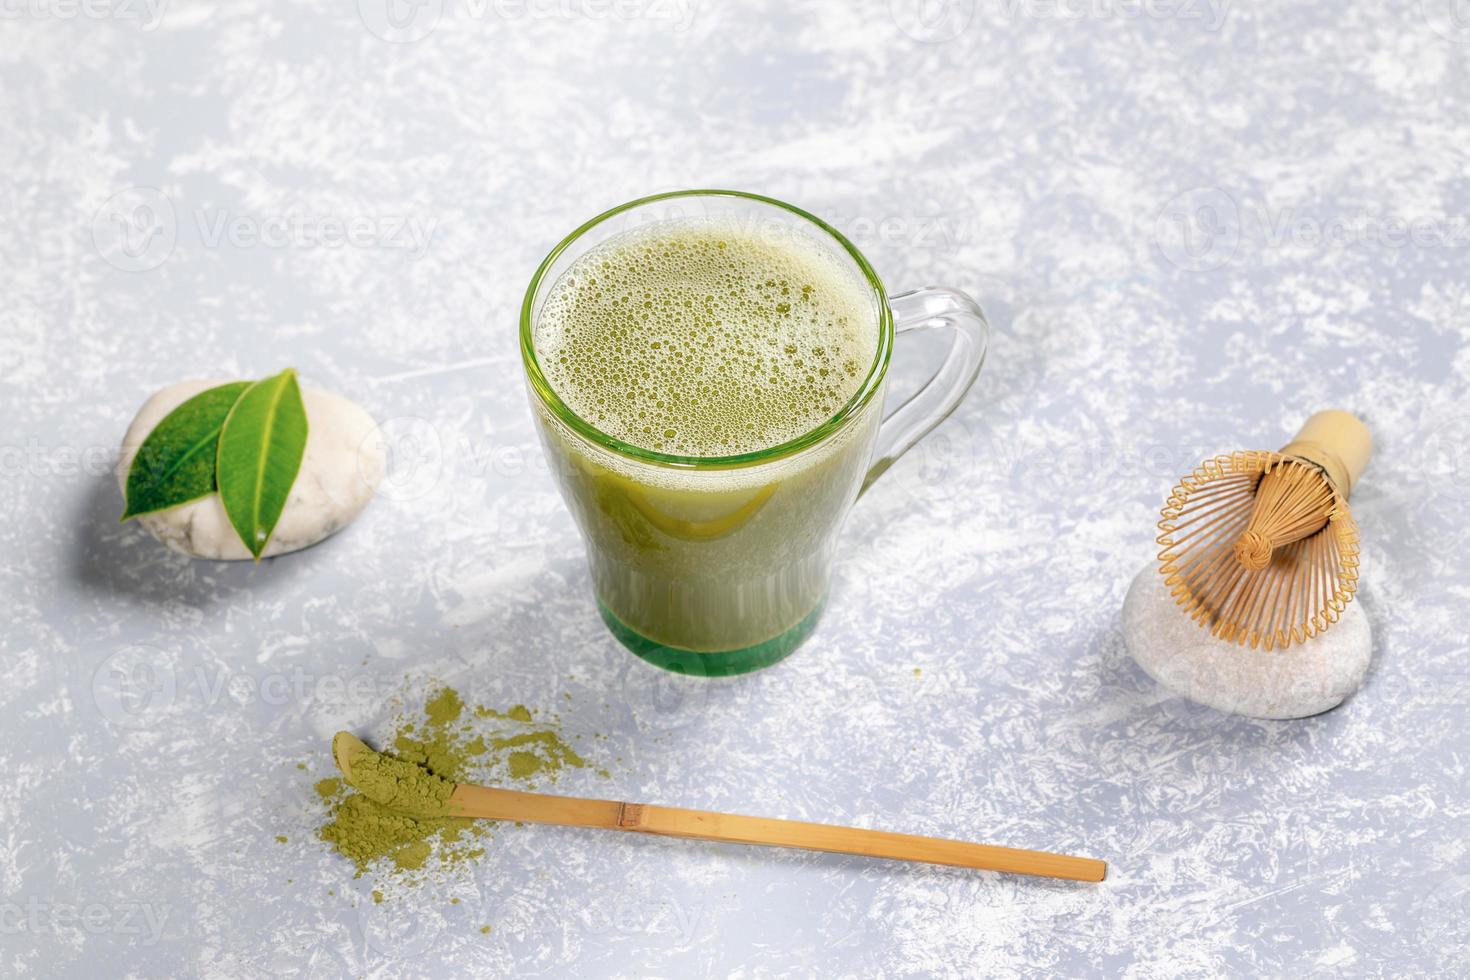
point(1338, 442)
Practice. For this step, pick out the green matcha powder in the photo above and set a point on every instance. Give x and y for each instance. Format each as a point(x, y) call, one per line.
point(415, 777)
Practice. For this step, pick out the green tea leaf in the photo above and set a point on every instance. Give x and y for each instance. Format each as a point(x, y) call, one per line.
point(260, 450)
point(175, 463)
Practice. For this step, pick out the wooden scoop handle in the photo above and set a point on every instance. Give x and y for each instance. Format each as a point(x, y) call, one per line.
point(1338, 442)
point(505, 804)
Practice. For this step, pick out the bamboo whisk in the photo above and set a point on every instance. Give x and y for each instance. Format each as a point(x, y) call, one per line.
point(1261, 547)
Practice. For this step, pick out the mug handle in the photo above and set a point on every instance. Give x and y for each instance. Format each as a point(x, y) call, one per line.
point(931, 308)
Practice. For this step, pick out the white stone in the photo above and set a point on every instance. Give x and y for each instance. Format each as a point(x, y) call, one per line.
point(344, 462)
point(1304, 679)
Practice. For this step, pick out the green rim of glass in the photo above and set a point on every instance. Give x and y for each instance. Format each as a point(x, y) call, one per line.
point(592, 434)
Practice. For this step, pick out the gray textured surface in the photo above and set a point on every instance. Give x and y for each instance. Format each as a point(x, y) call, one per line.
point(1192, 226)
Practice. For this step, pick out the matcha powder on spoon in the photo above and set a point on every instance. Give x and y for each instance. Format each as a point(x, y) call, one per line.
point(415, 781)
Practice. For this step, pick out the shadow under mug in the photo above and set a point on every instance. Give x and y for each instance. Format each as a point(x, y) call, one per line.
point(715, 566)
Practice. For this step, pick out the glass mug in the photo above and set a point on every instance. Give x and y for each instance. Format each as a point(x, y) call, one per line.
point(720, 565)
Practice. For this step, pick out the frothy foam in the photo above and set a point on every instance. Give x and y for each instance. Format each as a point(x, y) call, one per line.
point(701, 338)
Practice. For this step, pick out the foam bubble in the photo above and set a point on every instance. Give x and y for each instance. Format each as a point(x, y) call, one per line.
point(705, 338)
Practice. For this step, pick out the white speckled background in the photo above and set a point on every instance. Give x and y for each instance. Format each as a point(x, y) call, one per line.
point(1192, 224)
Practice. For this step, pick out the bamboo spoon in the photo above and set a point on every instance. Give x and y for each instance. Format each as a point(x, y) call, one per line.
point(467, 800)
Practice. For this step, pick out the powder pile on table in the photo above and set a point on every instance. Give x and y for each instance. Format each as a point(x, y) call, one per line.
point(424, 759)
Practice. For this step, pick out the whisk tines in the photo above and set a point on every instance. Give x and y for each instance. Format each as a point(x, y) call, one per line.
point(1261, 547)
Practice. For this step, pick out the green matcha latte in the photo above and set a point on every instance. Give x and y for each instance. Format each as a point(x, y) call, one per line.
point(709, 339)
